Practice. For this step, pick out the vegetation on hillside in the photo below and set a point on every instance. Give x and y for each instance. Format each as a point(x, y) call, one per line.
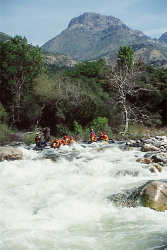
point(75, 99)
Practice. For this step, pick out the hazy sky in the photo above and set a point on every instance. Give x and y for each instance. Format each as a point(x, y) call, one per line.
point(41, 20)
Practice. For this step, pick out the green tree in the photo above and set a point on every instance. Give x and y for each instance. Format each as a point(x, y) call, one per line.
point(125, 58)
point(20, 64)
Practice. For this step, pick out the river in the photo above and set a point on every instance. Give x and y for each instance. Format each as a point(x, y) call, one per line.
point(61, 203)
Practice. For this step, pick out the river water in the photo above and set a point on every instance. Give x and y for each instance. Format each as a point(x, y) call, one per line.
point(57, 199)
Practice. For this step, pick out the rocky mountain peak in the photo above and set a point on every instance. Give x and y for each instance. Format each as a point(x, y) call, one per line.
point(163, 37)
point(94, 20)
point(91, 36)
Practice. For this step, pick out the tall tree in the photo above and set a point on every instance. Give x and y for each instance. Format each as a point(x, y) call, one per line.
point(123, 80)
point(20, 64)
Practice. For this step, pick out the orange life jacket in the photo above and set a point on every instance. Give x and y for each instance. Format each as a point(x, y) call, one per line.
point(93, 138)
point(105, 137)
point(55, 143)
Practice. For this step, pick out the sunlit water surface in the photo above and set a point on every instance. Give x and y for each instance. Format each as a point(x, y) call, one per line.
point(61, 203)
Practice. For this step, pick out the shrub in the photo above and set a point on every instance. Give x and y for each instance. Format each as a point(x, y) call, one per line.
point(5, 133)
point(100, 123)
point(78, 131)
point(29, 138)
point(3, 114)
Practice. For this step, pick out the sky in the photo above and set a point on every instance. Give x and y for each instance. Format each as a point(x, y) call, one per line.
point(41, 20)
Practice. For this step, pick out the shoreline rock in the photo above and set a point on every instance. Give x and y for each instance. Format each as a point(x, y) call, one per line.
point(10, 153)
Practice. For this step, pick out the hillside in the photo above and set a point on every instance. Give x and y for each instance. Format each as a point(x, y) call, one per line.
point(58, 60)
point(93, 36)
point(4, 37)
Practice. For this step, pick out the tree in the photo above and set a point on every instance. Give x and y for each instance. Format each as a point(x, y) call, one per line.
point(125, 59)
point(21, 63)
point(123, 80)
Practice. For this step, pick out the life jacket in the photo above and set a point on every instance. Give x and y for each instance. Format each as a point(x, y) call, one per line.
point(62, 142)
point(55, 143)
point(105, 137)
point(93, 138)
point(66, 140)
point(37, 138)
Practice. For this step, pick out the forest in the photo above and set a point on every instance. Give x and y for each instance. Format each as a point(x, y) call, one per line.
point(72, 100)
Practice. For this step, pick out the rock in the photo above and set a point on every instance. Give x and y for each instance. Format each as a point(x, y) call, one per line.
point(152, 169)
point(155, 167)
point(133, 143)
point(147, 161)
point(149, 147)
point(144, 160)
point(158, 167)
point(10, 153)
point(161, 157)
point(154, 195)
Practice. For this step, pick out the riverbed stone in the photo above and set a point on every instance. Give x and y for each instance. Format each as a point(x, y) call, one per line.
point(160, 157)
point(144, 160)
point(10, 153)
point(149, 147)
point(154, 195)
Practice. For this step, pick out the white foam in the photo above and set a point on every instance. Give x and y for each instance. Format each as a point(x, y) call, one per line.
point(62, 204)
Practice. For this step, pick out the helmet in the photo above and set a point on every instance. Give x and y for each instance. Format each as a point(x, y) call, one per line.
point(71, 137)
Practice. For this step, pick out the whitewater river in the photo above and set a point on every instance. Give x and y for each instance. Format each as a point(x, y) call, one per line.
point(62, 203)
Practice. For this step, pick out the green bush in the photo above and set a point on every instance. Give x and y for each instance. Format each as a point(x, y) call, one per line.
point(5, 133)
point(100, 124)
point(78, 131)
point(30, 138)
point(3, 114)
point(62, 130)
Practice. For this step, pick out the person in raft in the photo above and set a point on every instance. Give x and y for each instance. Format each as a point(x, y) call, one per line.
point(93, 136)
point(38, 139)
point(46, 133)
point(72, 140)
point(55, 143)
point(103, 136)
point(66, 139)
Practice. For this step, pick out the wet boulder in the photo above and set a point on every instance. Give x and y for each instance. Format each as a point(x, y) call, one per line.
point(160, 157)
point(149, 147)
point(154, 195)
point(144, 160)
point(155, 168)
point(10, 153)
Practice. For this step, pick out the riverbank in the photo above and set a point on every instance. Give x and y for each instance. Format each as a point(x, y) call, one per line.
point(134, 133)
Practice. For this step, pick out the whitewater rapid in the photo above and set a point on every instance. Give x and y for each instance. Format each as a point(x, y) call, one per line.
point(57, 199)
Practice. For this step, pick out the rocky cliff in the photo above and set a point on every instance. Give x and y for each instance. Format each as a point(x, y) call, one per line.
point(93, 36)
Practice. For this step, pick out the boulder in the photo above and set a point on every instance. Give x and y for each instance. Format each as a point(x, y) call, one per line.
point(155, 167)
point(149, 147)
point(154, 195)
point(160, 157)
point(144, 160)
point(10, 153)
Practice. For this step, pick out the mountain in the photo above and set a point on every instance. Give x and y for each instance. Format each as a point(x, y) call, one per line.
point(163, 38)
point(93, 36)
point(4, 37)
point(58, 60)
